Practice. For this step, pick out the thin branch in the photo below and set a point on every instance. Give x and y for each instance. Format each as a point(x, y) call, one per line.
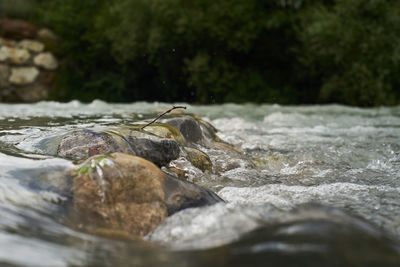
point(162, 114)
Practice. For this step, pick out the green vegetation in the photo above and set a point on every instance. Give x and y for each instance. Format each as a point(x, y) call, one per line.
point(353, 47)
point(206, 51)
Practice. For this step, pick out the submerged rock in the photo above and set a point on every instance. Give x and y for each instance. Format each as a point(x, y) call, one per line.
point(126, 193)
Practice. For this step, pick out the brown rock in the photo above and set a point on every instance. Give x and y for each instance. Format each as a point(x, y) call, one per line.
point(17, 29)
point(197, 131)
point(82, 144)
point(7, 42)
point(4, 74)
point(121, 192)
point(199, 159)
point(32, 93)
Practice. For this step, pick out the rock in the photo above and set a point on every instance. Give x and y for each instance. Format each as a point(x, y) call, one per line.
point(160, 151)
point(45, 33)
point(80, 145)
point(31, 45)
point(189, 128)
point(199, 159)
point(14, 55)
point(197, 131)
point(32, 93)
point(26, 69)
point(126, 193)
point(23, 75)
point(46, 60)
point(4, 74)
point(17, 29)
point(164, 131)
point(7, 42)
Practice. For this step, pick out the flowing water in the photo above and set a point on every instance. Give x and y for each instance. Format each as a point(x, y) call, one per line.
point(325, 189)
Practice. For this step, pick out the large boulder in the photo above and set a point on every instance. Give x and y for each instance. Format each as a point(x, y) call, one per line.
point(126, 193)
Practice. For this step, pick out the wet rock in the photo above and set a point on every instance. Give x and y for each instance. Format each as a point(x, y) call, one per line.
point(80, 145)
point(189, 128)
point(31, 45)
point(165, 131)
point(46, 61)
point(122, 192)
point(17, 29)
point(226, 160)
point(199, 159)
point(23, 75)
point(196, 131)
point(319, 238)
point(160, 152)
point(14, 55)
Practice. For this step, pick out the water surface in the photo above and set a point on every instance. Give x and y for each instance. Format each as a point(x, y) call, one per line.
point(324, 190)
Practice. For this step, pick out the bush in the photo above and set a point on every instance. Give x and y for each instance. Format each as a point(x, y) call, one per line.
point(352, 47)
point(206, 50)
point(290, 52)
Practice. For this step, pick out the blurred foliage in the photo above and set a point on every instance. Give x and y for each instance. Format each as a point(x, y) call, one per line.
point(207, 51)
point(354, 49)
point(23, 9)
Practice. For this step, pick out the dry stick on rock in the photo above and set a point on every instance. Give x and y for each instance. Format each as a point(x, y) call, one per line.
point(162, 114)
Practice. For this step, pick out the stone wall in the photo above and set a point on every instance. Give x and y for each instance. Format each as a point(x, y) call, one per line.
point(26, 67)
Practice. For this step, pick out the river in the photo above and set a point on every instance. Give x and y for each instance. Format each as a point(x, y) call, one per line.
point(325, 190)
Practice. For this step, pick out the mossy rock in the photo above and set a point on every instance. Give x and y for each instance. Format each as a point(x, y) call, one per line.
point(125, 193)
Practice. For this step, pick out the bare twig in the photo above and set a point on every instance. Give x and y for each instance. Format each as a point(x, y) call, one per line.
point(162, 114)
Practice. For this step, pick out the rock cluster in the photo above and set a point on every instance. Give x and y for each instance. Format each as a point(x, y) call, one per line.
point(129, 178)
point(26, 68)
